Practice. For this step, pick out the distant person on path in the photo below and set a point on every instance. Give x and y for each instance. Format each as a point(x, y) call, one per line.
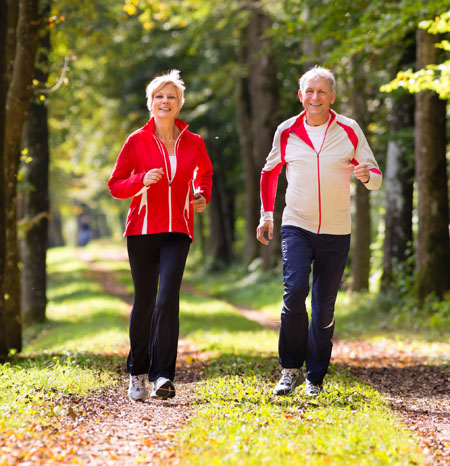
point(320, 149)
point(166, 171)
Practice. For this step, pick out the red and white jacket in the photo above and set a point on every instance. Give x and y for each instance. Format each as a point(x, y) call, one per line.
point(318, 192)
point(164, 206)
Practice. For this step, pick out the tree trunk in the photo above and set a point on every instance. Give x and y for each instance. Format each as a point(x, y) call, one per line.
point(35, 223)
point(221, 238)
point(251, 175)
point(398, 181)
point(263, 86)
point(3, 88)
point(220, 209)
point(17, 102)
point(55, 234)
point(433, 250)
point(35, 195)
point(361, 236)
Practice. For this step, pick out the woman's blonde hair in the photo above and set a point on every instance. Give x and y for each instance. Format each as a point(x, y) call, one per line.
point(156, 84)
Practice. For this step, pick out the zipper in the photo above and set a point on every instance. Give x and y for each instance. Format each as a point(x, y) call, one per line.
point(318, 176)
point(318, 187)
point(170, 178)
point(170, 206)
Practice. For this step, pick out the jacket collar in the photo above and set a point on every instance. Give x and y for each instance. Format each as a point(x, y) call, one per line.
point(299, 128)
point(150, 125)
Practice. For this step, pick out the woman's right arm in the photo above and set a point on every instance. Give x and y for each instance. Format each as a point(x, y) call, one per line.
point(124, 182)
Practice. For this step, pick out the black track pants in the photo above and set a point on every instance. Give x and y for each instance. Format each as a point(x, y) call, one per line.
point(154, 319)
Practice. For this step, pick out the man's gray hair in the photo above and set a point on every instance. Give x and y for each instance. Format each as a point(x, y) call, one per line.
point(318, 71)
point(156, 84)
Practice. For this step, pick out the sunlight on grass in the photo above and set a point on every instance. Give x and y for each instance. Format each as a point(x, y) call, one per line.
point(74, 352)
point(216, 325)
point(238, 421)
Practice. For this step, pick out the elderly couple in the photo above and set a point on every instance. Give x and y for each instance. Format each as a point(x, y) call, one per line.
point(166, 171)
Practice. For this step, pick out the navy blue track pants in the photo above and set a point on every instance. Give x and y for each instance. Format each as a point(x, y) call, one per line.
point(327, 254)
point(154, 318)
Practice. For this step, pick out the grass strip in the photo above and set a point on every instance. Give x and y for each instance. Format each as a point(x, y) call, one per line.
point(74, 352)
point(237, 420)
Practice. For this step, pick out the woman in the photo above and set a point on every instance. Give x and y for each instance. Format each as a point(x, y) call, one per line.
point(166, 171)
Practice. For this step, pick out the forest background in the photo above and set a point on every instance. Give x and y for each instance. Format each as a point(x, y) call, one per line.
point(73, 87)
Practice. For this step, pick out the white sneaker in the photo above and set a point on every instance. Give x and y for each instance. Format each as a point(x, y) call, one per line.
point(312, 390)
point(290, 378)
point(137, 390)
point(162, 389)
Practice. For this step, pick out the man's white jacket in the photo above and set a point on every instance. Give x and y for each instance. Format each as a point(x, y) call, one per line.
point(318, 192)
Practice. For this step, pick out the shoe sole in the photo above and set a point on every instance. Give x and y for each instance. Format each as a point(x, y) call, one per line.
point(167, 390)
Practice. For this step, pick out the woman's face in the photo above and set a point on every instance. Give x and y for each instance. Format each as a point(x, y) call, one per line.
point(165, 102)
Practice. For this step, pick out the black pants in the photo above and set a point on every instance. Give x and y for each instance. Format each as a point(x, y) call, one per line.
point(154, 319)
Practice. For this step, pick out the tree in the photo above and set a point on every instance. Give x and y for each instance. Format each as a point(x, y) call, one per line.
point(264, 105)
point(17, 100)
point(3, 88)
point(34, 195)
point(398, 180)
point(433, 248)
point(361, 238)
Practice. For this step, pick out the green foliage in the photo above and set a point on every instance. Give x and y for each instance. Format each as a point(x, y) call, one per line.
point(434, 77)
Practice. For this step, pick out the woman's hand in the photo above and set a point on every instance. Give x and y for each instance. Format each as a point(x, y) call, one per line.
point(152, 176)
point(199, 202)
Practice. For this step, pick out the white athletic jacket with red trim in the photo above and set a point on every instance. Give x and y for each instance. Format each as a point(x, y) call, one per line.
point(318, 192)
point(164, 206)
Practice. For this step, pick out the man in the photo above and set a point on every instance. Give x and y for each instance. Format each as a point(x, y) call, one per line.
point(320, 149)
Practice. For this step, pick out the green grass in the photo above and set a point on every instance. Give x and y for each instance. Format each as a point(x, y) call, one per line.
point(237, 420)
point(72, 353)
point(358, 315)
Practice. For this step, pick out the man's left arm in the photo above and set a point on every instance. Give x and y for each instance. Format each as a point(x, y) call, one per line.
point(366, 167)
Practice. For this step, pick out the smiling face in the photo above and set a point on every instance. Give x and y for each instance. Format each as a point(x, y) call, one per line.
point(317, 97)
point(165, 102)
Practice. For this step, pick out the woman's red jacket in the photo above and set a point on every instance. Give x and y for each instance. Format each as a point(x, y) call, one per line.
point(164, 206)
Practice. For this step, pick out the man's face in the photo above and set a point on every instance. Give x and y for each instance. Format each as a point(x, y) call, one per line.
point(317, 97)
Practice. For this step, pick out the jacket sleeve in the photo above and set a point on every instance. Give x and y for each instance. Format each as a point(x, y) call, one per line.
point(124, 182)
point(269, 177)
point(203, 175)
point(363, 154)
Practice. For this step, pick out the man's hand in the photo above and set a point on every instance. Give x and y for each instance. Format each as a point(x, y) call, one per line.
point(265, 225)
point(199, 202)
point(362, 172)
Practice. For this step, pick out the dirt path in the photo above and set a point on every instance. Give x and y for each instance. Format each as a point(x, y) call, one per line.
point(416, 388)
point(112, 430)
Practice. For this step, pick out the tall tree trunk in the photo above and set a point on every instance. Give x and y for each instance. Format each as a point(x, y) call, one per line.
point(221, 238)
point(263, 86)
point(35, 198)
point(3, 89)
point(399, 182)
point(360, 258)
point(433, 250)
point(251, 176)
point(17, 101)
point(220, 212)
